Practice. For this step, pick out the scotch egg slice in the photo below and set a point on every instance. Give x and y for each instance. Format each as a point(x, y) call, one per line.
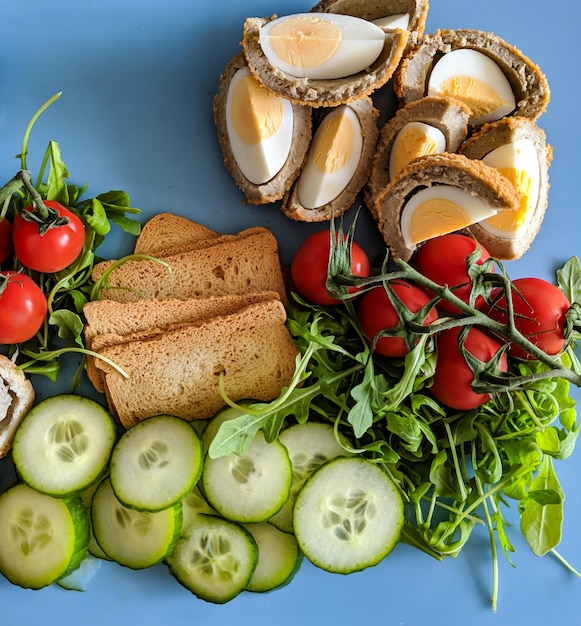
point(263, 137)
point(321, 45)
point(475, 79)
point(337, 164)
point(492, 77)
point(439, 194)
point(516, 147)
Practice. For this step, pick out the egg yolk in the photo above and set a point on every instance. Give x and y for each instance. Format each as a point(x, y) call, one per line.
point(305, 41)
point(411, 143)
point(255, 112)
point(481, 97)
point(436, 216)
point(509, 219)
point(334, 144)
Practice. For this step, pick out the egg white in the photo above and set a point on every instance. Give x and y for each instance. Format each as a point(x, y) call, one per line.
point(361, 42)
point(400, 20)
point(477, 65)
point(259, 162)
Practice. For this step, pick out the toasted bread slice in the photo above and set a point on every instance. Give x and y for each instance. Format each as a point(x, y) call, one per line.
point(440, 172)
point(526, 139)
point(165, 231)
point(178, 371)
point(245, 263)
point(110, 322)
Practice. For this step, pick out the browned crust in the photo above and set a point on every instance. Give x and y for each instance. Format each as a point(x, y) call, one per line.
point(496, 134)
point(319, 93)
point(448, 115)
point(451, 169)
point(291, 206)
point(277, 186)
point(529, 84)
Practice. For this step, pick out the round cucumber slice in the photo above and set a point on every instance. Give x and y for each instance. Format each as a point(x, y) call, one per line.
point(215, 559)
point(348, 515)
point(250, 487)
point(279, 557)
point(309, 445)
point(194, 504)
point(155, 463)
point(42, 538)
point(136, 539)
point(64, 444)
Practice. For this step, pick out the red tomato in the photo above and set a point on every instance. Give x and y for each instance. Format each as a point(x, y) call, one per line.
point(377, 313)
point(444, 260)
point(52, 251)
point(309, 267)
point(5, 239)
point(23, 307)
point(452, 381)
point(539, 314)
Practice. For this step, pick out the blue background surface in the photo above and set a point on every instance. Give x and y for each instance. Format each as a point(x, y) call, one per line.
point(138, 78)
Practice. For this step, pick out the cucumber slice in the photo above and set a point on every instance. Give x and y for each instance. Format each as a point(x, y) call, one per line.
point(279, 557)
point(136, 539)
point(63, 444)
point(250, 487)
point(94, 548)
point(78, 579)
point(215, 560)
point(155, 463)
point(348, 515)
point(42, 538)
point(194, 504)
point(309, 445)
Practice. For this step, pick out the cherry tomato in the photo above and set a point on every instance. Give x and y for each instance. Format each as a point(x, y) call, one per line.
point(309, 267)
point(377, 313)
point(23, 307)
point(5, 239)
point(52, 251)
point(539, 314)
point(452, 381)
point(444, 260)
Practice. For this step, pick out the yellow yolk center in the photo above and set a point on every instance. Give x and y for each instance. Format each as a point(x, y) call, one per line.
point(509, 219)
point(256, 113)
point(411, 144)
point(305, 41)
point(436, 217)
point(334, 144)
point(476, 94)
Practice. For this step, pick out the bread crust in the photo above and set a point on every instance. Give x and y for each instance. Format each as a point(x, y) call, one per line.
point(496, 134)
point(367, 115)
point(166, 231)
point(446, 114)
point(319, 92)
point(276, 187)
point(450, 169)
point(529, 84)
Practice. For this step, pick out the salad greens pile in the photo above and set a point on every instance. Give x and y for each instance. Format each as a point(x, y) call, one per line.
point(456, 469)
point(68, 290)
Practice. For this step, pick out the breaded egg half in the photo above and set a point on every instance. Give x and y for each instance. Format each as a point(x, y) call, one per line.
point(321, 59)
point(517, 148)
point(407, 15)
point(426, 126)
point(490, 76)
point(264, 138)
point(337, 164)
point(439, 194)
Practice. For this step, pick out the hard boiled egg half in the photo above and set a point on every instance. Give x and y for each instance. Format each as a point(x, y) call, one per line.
point(517, 161)
point(260, 127)
point(321, 45)
point(414, 140)
point(475, 79)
